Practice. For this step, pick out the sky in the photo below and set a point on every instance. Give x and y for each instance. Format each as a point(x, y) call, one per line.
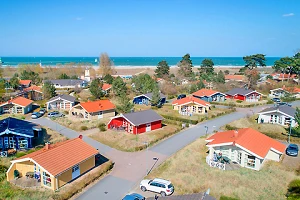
point(149, 27)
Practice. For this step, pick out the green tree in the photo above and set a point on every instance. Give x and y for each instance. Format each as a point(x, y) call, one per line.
point(119, 86)
point(105, 65)
point(220, 77)
point(49, 90)
point(200, 84)
point(296, 130)
point(293, 190)
point(108, 78)
point(125, 104)
point(284, 65)
point(185, 66)
point(251, 64)
point(193, 88)
point(162, 69)
point(143, 83)
point(64, 76)
point(226, 72)
point(155, 96)
point(14, 81)
point(207, 66)
point(96, 88)
point(30, 75)
point(296, 65)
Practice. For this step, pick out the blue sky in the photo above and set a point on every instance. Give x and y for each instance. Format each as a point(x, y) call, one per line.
point(149, 28)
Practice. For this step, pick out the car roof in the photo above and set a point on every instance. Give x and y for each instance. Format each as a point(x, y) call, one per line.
point(132, 196)
point(159, 180)
point(136, 195)
point(293, 145)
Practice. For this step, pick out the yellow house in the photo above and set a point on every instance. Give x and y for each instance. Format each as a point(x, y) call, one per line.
point(56, 164)
point(93, 109)
point(191, 105)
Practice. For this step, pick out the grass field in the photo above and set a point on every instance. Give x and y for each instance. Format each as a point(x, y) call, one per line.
point(272, 130)
point(189, 173)
point(128, 142)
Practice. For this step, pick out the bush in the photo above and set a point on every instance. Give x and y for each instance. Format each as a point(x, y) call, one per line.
point(3, 169)
point(180, 119)
point(239, 101)
point(102, 127)
point(66, 112)
point(228, 127)
point(294, 190)
point(227, 198)
point(83, 128)
point(20, 154)
point(23, 117)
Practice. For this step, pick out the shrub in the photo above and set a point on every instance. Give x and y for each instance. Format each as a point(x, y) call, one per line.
point(239, 101)
point(102, 128)
point(20, 154)
point(23, 117)
point(294, 189)
point(227, 198)
point(180, 119)
point(83, 128)
point(228, 127)
point(3, 169)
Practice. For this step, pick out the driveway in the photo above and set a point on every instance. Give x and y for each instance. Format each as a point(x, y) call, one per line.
point(130, 168)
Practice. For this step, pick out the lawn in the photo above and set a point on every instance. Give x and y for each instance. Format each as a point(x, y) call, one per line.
point(18, 116)
point(272, 130)
point(239, 103)
point(128, 142)
point(189, 173)
point(79, 124)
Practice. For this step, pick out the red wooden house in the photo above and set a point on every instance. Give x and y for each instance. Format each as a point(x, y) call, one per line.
point(243, 94)
point(136, 122)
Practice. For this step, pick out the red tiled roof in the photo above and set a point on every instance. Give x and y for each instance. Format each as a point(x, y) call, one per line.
point(19, 101)
point(25, 82)
point(293, 89)
point(62, 156)
point(190, 100)
point(248, 138)
point(284, 76)
point(234, 77)
point(33, 88)
point(204, 92)
point(95, 106)
point(106, 86)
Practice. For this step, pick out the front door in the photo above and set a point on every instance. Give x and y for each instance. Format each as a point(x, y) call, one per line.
point(11, 142)
point(148, 127)
point(75, 171)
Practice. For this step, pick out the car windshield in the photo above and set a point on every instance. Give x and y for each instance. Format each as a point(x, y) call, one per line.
point(150, 182)
point(170, 186)
point(293, 147)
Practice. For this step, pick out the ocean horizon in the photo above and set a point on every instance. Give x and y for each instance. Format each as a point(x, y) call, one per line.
point(127, 61)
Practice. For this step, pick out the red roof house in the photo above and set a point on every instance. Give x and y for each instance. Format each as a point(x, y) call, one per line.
point(56, 164)
point(233, 77)
point(191, 105)
point(33, 92)
point(136, 122)
point(209, 95)
point(243, 94)
point(93, 109)
point(246, 146)
point(106, 87)
point(25, 83)
point(16, 105)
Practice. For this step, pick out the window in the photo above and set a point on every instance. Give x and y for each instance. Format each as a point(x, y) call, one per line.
point(23, 143)
point(1, 142)
point(75, 168)
point(199, 109)
point(240, 157)
point(194, 109)
point(251, 161)
point(46, 179)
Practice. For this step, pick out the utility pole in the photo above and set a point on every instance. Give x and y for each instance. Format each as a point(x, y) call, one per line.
point(206, 127)
point(146, 143)
point(289, 140)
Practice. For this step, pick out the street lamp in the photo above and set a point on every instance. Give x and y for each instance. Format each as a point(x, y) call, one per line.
point(156, 160)
point(290, 131)
point(206, 127)
point(146, 143)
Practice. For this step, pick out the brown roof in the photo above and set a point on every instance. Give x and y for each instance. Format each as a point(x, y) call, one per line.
point(62, 156)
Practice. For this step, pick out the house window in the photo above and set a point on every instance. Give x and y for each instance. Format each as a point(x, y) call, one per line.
point(194, 109)
point(75, 168)
point(19, 110)
point(280, 120)
point(251, 161)
point(1, 142)
point(271, 120)
point(240, 158)
point(6, 142)
point(200, 109)
point(46, 179)
point(23, 143)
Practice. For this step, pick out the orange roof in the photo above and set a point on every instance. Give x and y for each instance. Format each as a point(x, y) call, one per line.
point(19, 101)
point(25, 82)
point(33, 88)
point(234, 77)
point(192, 99)
point(62, 156)
point(247, 138)
point(293, 89)
point(284, 76)
point(95, 106)
point(106, 86)
point(205, 92)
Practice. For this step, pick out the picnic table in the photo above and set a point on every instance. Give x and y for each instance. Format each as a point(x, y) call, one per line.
point(226, 159)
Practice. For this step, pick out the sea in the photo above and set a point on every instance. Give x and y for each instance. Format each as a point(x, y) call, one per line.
point(126, 61)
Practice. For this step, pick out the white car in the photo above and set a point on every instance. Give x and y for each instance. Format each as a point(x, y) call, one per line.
point(157, 185)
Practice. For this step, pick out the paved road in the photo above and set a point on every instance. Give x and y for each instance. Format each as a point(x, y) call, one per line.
point(130, 168)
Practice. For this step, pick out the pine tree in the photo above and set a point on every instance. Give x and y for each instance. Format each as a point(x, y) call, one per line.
point(49, 90)
point(162, 69)
point(119, 86)
point(125, 105)
point(155, 96)
point(207, 67)
point(96, 88)
point(185, 66)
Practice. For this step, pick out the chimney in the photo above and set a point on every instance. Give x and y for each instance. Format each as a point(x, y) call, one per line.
point(235, 134)
point(80, 136)
point(47, 145)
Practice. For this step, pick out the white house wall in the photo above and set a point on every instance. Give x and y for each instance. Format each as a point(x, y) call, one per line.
point(267, 118)
point(272, 155)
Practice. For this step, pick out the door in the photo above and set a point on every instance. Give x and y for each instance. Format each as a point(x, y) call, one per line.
point(75, 171)
point(148, 127)
point(12, 142)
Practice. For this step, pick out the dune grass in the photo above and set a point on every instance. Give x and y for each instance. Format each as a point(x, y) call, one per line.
point(189, 173)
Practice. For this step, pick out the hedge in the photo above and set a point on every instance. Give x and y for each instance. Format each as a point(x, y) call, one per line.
point(191, 121)
point(238, 105)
